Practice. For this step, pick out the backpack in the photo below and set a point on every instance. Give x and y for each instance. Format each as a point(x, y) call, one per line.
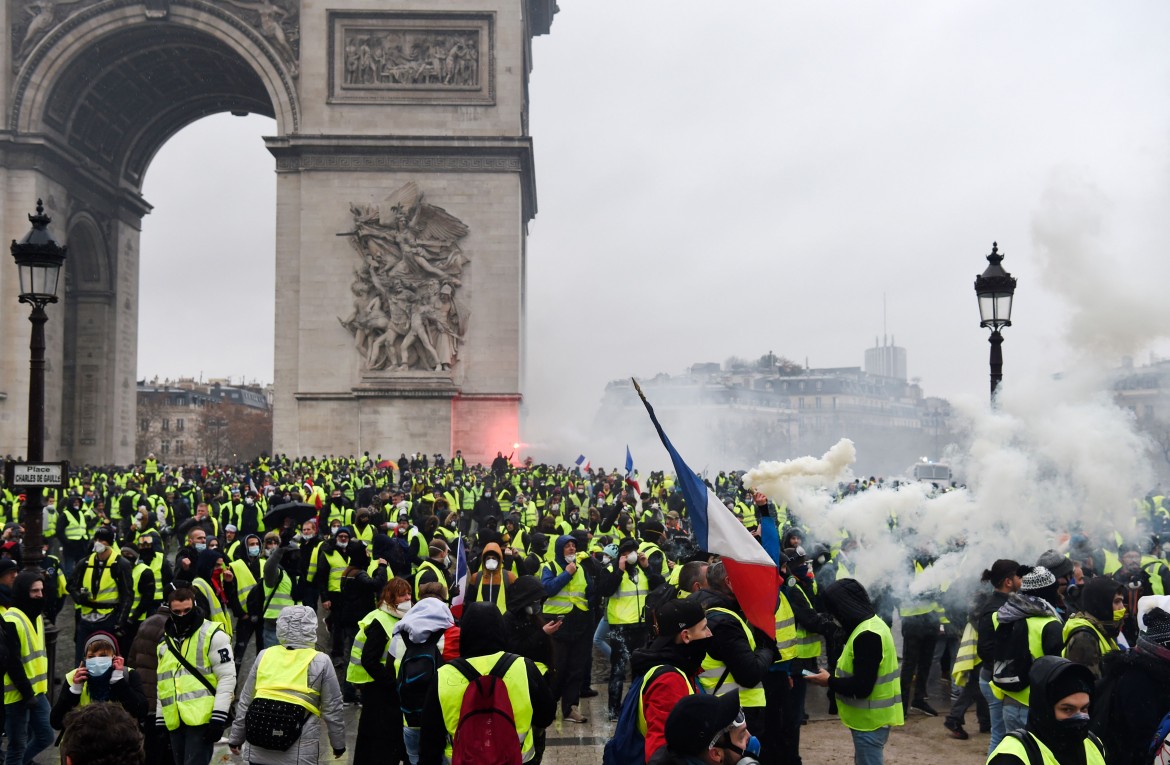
point(1013, 659)
point(627, 746)
point(656, 599)
point(487, 729)
point(416, 672)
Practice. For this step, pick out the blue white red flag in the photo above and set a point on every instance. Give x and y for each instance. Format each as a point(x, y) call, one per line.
point(460, 580)
point(629, 463)
point(750, 569)
point(581, 463)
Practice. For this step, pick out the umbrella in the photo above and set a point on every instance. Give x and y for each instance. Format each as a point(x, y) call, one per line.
point(388, 464)
point(299, 511)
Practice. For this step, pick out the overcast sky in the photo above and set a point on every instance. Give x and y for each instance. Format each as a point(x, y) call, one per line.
point(737, 178)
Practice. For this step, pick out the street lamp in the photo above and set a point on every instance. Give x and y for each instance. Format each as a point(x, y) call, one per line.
point(39, 259)
point(995, 288)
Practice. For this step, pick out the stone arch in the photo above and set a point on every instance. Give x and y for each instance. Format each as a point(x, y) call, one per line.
point(114, 84)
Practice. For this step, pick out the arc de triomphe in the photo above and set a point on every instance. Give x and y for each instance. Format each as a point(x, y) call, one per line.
point(401, 126)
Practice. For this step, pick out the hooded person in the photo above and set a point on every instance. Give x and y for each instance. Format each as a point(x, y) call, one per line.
point(492, 582)
point(102, 676)
point(669, 666)
point(1032, 611)
point(1061, 567)
point(210, 582)
point(1134, 693)
point(292, 681)
point(482, 651)
point(569, 589)
point(1058, 718)
point(1091, 633)
point(865, 679)
point(426, 623)
point(26, 671)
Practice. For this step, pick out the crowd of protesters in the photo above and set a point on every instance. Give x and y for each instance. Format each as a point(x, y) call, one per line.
point(432, 574)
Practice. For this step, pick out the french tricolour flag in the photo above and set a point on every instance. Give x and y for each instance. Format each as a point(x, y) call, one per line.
point(750, 569)
point(581, 463)
point(460, 580)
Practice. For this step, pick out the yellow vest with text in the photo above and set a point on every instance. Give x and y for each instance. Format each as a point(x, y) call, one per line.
point(453, 685)
point(883, 706)
point(283, 675)
point(713, 670)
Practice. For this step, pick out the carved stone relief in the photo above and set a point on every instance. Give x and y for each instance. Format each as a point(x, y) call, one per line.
point(278, 24)
point(406, 312)
point(31, 21)
point(403, 58)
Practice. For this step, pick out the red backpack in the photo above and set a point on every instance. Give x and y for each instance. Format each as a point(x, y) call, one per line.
point(487, 729)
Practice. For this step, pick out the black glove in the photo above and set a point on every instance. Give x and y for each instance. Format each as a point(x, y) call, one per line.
point(213, 732)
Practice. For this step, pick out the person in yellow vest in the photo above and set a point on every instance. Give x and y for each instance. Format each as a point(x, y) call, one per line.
point(490, 584)
point(739, 655)
point(627, 581)
point(434, 568)
point(196, 680)
point(482, 651)
point(1058, 724)
point(869, 696)
point(1033, 611)
point(100, 588)
point(1091, 633)
point(151, 573)
point(379, 733)
point(102, 676)
point(26, 674)
point(289, 682)
point(570, 590)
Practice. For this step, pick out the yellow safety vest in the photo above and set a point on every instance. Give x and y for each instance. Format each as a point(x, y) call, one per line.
point(713, 670)
point(571, 596)
point(646, 548)
point(106, 590)
point(625, 605)
point(1104, 643)
point(244, 581)
point(1013, 746)
point(85, 697)
point(283, 675)
point(647, 681)
point(337, 566)
point(1035, 626)
point(280, 599)
point(218, 614)
point(499, 590)
point(155, 567)
point(32, 655)
point(428, 565)
point(453, 684)
point(355, 672)
point(883, 706)
point(786, 635)
point(967, 657)
point(76, 528)
point(184, 699)
point(808, 643)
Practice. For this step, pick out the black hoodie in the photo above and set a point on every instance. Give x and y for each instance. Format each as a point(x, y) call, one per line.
point(847, 601)
point(13, 660)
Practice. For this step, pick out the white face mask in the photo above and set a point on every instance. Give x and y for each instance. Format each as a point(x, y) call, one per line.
point(404, 606)
point(491, 564)
point(447, 561)
point(99, 548)
point(606, 560)
point(632, 558)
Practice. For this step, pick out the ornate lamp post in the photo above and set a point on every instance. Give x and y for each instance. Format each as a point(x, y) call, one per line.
point(39, 259)
point(995, 288)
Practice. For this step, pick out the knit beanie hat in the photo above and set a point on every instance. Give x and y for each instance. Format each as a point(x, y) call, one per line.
point(1156, 625)
point(1059, 565)
point(1038, 578)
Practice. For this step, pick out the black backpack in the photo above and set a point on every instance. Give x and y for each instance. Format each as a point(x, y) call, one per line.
point(1012, 657)
point(417, 670)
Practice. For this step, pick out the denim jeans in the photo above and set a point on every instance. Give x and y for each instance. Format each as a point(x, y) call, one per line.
point(1015, 716)
point(411, 737)
point(869, 746)
point(599, 637)
point(190, 746)
point(995, 710)
point(22, 719)
point(624, 639)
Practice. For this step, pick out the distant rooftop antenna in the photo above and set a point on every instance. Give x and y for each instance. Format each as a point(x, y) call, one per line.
point(884, 319)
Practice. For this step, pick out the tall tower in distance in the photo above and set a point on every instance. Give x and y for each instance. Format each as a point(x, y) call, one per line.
point(886, 359)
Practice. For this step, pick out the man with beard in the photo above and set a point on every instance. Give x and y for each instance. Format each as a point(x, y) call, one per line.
point(1058, 722)
point(26, 671)
point(669, 665)
point(196, 681)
